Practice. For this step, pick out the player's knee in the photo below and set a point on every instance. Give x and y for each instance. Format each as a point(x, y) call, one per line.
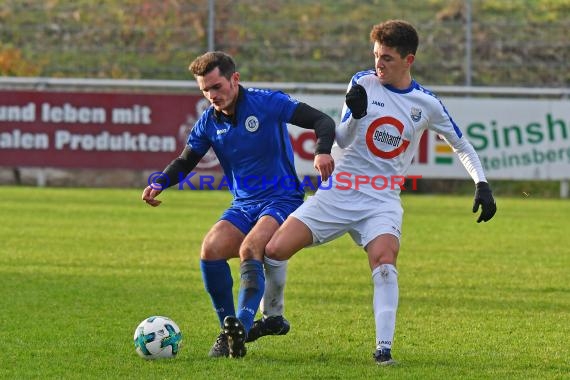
point(208, 252)
point(212, 250)
point(381, 259)
point(383, 250)
point(250, 252)
point(275, 251)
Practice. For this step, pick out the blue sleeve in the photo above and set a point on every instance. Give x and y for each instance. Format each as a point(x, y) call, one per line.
point(285, 104)
point(198, 140)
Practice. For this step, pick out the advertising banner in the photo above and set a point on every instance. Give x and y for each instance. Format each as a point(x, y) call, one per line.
point(108, 130)
point(515, 138)
point(93, 130)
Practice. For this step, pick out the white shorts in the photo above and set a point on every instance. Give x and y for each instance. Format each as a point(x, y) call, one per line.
point(330, 214)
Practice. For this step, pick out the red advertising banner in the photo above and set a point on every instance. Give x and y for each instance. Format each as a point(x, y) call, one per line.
point(50, 129)
point(95, 130)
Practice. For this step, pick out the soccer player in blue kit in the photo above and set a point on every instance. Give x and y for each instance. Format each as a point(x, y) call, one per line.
point(247, 129)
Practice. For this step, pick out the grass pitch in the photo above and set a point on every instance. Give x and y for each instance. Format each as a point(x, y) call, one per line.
point(80, 268)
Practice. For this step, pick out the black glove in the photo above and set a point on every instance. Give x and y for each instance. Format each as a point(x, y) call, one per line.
point(484, 197)
point(357, 101)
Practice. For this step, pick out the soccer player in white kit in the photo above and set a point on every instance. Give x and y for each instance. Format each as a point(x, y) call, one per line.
point(385, 113)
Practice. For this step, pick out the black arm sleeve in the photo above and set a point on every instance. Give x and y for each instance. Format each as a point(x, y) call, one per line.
point(308, 117)
point(179, 168)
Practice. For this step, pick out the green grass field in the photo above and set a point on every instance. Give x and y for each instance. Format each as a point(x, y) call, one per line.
point(80, 268)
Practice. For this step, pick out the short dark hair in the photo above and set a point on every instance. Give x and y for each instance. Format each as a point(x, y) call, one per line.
point(207, 62)
point(397, 34)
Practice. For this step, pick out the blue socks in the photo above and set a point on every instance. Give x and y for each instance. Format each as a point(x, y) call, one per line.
point(251, 291)
point(218, 282)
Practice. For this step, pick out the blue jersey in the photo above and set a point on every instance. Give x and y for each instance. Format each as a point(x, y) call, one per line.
point(253, 146)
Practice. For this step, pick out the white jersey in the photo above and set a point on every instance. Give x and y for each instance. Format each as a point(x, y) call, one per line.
point(379, 148)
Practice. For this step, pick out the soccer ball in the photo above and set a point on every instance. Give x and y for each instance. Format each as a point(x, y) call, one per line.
point(157, 338)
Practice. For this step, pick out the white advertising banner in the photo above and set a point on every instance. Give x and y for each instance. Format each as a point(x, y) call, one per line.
point(515, 138)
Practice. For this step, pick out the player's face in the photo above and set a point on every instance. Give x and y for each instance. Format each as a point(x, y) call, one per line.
point(391, 68)
point(219, 90)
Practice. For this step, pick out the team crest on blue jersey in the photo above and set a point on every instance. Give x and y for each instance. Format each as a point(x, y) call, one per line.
point(251, 123)
point(416, 114)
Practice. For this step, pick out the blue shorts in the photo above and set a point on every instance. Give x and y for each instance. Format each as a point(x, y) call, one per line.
point(244, 215)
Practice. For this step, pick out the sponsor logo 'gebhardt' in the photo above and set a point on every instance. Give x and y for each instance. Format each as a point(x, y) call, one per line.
point(379, 133)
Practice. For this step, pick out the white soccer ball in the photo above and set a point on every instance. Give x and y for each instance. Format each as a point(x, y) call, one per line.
point(157, 338)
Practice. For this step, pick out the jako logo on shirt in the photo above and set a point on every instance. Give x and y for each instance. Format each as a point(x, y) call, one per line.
point(251, 123)
point(380, 135)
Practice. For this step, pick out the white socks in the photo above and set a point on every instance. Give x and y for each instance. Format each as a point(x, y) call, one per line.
point(385, 304)
point(274, 297)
